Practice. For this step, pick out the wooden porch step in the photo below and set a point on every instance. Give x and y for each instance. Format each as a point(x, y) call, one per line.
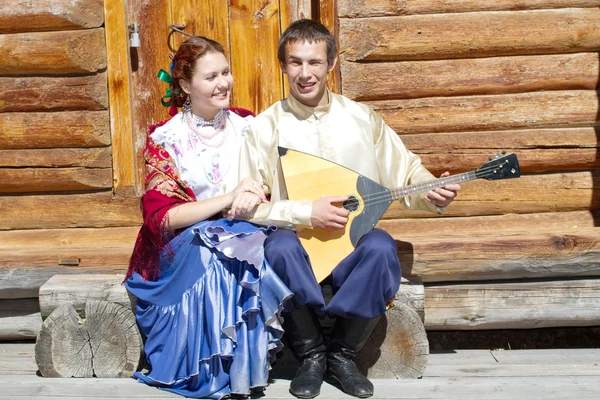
point(462, 374)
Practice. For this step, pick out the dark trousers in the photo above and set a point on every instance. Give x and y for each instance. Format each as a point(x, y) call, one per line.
point(362, 284)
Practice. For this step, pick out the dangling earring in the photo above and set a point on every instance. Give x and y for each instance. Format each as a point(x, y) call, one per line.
point(187, 106)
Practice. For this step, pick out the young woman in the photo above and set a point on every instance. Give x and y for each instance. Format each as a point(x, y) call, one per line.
point(208, 303)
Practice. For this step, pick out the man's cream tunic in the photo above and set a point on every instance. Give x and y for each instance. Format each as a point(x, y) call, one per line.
point(343, 131)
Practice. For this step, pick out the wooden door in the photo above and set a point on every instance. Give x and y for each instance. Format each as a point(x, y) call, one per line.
point(248, 29)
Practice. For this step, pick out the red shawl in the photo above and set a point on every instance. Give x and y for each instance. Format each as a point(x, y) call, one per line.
point(164, 190)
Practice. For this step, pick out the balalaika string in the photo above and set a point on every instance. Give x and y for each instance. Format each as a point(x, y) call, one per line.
point(384, 196)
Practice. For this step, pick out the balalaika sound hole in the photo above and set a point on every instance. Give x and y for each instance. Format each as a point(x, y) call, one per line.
point(351, 204)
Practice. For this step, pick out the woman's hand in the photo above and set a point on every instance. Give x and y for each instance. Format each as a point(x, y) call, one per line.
point(244, 203)
point(247, 185)
point(245, 197)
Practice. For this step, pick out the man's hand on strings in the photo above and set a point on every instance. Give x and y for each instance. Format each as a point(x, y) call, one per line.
point(327, 215)
point(442, 197)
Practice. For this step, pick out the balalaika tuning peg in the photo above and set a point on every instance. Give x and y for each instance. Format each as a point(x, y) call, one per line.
point(489, 158)
point(503, 152)
point(497, 156)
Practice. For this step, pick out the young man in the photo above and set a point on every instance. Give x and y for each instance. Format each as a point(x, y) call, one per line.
point(316, 121)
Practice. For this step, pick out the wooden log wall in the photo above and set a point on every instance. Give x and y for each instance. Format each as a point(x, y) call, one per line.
point(460, 81)
point(57, 209)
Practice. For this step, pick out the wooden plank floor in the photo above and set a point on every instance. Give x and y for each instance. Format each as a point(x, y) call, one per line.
point(462, 374)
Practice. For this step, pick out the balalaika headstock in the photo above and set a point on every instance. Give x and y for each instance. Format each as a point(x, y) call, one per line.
point(504, 167)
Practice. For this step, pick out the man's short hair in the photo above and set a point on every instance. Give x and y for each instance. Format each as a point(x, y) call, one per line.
point(306, 30)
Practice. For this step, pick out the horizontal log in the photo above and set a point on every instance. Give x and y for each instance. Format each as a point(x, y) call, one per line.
point(55, 129)
point(31, 94)
point(538, 150)
point(20, 319)
point(50, 15)
point(502, 224)
point(94, 210)
point(25, 282)
point(475, 76)
point(559, 109)
point(467, 35)
point(78, 289)
point(518, 305)
point(379, 8)
point(542, 160)
point(559, 192)
point(34, 180)
point(98, 157)
point(498, 247)
point(28, 258)
point(53, 53)
point(563, 253)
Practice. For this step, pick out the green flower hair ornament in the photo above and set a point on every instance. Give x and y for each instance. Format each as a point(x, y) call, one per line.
point(167, 99)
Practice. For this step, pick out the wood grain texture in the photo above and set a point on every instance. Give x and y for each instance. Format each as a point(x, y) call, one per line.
point(154, 18)
point(125, 181)
point(467, 35)
point(513, 305)
point(36, 180)
point(76, 211)
point(53, 53)
point(98, 157)
point(378, 8)
point(50, 15)
point(293, 10)
point(256, 22)
point(558, 109)
point(33, 94)
point(499, 255)
point(538, 150)
point(79, 290)
point(572, 191)
point(54, 130)
point(107, 344)
point(398, 347)
point(504, 224)
point(20, 319)
point(328, 16)
point(203, 18)
point(28, 258)
point(474, 76)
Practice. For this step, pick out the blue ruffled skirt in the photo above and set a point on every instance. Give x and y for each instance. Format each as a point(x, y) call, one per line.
point(211, 320)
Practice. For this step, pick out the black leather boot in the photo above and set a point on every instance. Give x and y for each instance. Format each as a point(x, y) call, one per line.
point(303, 331)
point(347, 339)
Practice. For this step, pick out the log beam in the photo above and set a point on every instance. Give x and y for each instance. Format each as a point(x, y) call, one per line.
point(20, 319)
point(55, 129)
point(50, 15)
point(37, 180)
point(98, 157)
point(566, 149)
point(473, 76)
point(467, 35)
point(57, 53)
point(513, 305)
point(572, 191)
point(380, 8)
point(558, 109)
point(97, 210)
point(33, 94)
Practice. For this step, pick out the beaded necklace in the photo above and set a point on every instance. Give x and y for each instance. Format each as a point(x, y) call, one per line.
point(207, 130)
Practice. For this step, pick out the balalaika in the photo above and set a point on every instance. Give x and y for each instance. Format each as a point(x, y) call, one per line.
point(308, 177)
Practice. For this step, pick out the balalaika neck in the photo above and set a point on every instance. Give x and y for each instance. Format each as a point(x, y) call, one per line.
point(426, 186)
